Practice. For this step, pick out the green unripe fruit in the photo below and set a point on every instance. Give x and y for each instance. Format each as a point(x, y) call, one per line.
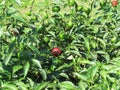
point(79, 8)
point(70, 24)
point(46, 39)
point(87, 10)
point(55, 8)
point(103, 3)
point(71, 2)
point(113, 39)
point(46, 16)
point(61, 36)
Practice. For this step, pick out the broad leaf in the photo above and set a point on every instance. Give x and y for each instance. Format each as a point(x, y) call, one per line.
point(37, 63)
point(18, 2)
point(41, 86)
point(9, 54)
point(16, 68)
point(67, 85)
point(9, 86)
point(26, 68)
point(43, 73)
point(92, 71)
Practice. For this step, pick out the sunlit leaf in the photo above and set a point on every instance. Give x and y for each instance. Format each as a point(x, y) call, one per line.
point(37, 63)
point(43, 73)
point(31, 82)
point(9, 54)
point(67, 85)
point(103, 73)
point(16, 68)
point(18, 2)
point(41, 86)
point(81, 76)
point(9, 86)
point(64, 75)
point(82, 85)
point(92, 71)
point(21, 85)
point(19, 18)
point(26, 68)
point(86, 42)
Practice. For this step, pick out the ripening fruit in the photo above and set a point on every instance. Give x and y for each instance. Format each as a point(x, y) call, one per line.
point(114, 3)
point(15, 33)
point(56, 51)
point(55, 8)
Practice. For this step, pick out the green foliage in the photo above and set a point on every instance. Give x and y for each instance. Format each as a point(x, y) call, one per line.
point(86, 31)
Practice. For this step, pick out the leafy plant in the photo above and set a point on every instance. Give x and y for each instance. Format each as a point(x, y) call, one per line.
point(60, 44)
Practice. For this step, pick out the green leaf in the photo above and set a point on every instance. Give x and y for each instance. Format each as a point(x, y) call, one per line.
point(5, 73)
point(18, 2)
point(2, 3)
point(107, 67)
point(92, 72)
point(37, 63)
point(81, 76)
point(86, 42)
point(117, 44)
point(26, 69)
point(7, 58)
point(52, 85)
point(41, 86)
point(52, 33)
point(1, 83)
point(111, 79)
point(114, 86)
point(43, 73)
point(16, 68)
point(101, 52)
point(64, 75)
point(103, 73)
point(9, 54)
point(82, 85)
point(67, 85)
point(64, 66)
point(31, 82)
point(19, 18)
point(102, 42)
point(75, 52)
point(21, 85)
point(33, 48)
point(7, 86)
point(115, 61)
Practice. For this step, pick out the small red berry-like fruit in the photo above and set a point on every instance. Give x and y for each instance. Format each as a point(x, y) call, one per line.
point(114, 3)
point(15, 33)
point(56, 51)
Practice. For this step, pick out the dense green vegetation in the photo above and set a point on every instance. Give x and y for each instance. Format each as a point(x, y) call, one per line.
point(59, 45)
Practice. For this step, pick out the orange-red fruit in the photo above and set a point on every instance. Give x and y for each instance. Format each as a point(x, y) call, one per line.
point(56, 51)
point(114, 3)
point(14, 33)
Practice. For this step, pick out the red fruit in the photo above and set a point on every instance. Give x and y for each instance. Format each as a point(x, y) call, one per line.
point(114, 3)
point(56, 51)
point(14, 33)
